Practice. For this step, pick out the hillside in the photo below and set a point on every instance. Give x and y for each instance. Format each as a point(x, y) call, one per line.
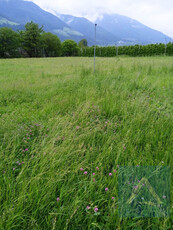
point(87, 28)
point(16, 13)
point(130, 30)
point(111, 30)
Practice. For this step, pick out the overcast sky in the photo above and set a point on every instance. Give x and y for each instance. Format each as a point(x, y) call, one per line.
point(157, 14)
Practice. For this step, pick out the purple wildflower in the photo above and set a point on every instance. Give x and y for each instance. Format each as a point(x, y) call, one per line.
point(58, 199)
point(85, 172)
point(96, 209)
point(110, 174)
point(106, 189)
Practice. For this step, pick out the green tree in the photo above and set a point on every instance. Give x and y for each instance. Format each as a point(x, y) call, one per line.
point(9, 42)
point(83, 43)
point(51, 45)
point(70, 48)
point(32, 39)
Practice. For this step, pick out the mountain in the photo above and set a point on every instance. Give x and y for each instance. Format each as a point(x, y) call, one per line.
point(111, 29)
point(87, 28)
point(16, 13)
point(130, 30)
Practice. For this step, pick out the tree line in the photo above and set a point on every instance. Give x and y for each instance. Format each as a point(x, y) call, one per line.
point(34, 42)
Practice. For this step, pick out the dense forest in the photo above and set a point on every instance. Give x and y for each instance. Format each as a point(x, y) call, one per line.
point(34, 42)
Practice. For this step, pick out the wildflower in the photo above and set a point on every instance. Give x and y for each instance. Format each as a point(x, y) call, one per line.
point(93, 174)
point(81, 169)
point(96, 209)
point(106, 189)
point(115, 170)
point(97, 168)
point(94, 179)
point(88, 207)
point(26, 149)
point(85, 172)
point(136, 187)
point(113, 198)
point(58, 199)
point(110, 174)
point(13, 169)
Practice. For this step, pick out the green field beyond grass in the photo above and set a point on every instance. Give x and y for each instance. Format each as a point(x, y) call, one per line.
point(59, 121)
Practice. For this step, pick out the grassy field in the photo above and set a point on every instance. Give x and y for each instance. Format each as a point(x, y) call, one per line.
point(60, 123)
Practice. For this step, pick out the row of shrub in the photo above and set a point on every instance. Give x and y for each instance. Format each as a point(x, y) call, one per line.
point(135, 50)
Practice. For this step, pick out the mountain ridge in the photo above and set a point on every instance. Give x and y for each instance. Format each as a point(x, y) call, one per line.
point(22, 12)
point(112, 29)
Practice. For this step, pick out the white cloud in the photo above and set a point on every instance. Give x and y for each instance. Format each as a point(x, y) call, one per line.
point(157, 14)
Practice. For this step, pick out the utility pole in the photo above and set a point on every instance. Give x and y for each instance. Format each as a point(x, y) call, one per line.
point(95, 48)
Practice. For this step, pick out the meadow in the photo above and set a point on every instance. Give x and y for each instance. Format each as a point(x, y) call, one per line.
point(65, 131)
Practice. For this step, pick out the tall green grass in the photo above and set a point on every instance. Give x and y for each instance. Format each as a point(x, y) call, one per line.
point(56, 117)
